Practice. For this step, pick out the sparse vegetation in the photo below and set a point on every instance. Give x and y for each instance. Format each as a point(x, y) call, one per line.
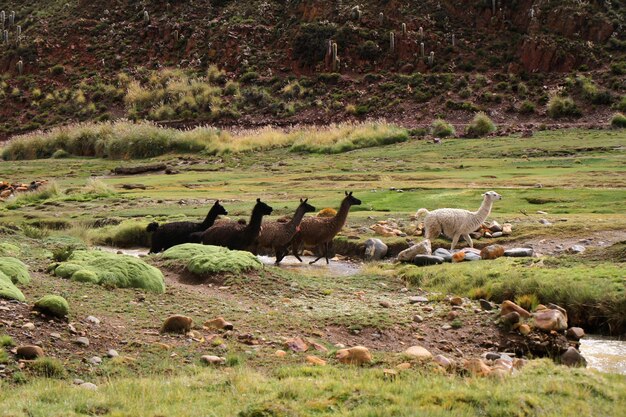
point(481, 125)
point(442, 129)
point(559, 107)
point(618, 121)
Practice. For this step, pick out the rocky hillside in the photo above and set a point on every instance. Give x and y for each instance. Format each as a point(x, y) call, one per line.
point(288, 62)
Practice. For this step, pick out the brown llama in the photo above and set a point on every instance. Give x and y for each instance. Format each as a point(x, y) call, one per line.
point(320, 231)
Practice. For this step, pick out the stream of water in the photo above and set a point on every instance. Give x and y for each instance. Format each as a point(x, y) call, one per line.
point(604, 353)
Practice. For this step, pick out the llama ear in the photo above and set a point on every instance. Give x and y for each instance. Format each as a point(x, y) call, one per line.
point(258, 200)
point(346, 192)
point(350, 193)
point(306, 199)
point(217, 202)
point(301, 201)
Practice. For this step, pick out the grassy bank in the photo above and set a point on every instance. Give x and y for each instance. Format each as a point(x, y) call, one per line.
point(540, 389)
point(124, 139)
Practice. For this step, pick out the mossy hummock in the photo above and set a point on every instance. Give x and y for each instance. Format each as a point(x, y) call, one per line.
point(207, 259)
point(53, 305)
point(110, 269)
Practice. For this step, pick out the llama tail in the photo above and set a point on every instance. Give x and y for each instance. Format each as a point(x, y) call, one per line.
point(152, 227)
point(421, 212)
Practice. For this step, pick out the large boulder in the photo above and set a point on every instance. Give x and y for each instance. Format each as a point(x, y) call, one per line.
point(418, 352)
point(425, 260)
point(110, 269)
point(572, 357)
point(375, 249)
point(509, 306)
point(422, 248)
point(29, 352)
point(53, 305)
point(519, 252)
point(550, 319)
point(492, 252)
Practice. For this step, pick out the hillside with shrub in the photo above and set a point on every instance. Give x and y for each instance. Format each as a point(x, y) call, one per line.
point(246, 64)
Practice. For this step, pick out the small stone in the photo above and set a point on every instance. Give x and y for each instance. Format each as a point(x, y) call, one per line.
point(93, 320)
point(375, 249)
point(218, 324)
point(572, 357)
point(89, 386)
point(511, 318)
point(524, 329)
point(356, 355)
point(550, 319)
point(492, 252)
point(485, 305)
point(385, 304)
point(458, 257)
point(417, 299)
point(314, 360)
point(55, 335)
point(418, 352)
point(29, 326)
point(509, 306)
point(403, 365)
point(576, 249)
point(280, 353)
point(471, 256)
point(492, 356)
point(443, 254)
point(545, 222)
point(456, 301)
point(497, 234)
point(177, 324)
point(452, 315)
point(446, 327)
point(95, 360)
point(417, 318)
point(477, 367)
point(212, 359)
point(297, 344)
point(427, 260)
point(422, 248)
point(78, 381)
point(82, 341)
point(542, 212)
point(29, 352)
point(519, 252)
point(112, 353)
point(443, 361)
point(495, 227)
point(575, 333)
point(390, 374)
point(507, 229)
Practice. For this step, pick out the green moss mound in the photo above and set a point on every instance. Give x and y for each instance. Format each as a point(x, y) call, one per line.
point(9, 249)
point(207, 260)
point(110, 269)
point(9, 290)
point(15, 269)
point(53, 305)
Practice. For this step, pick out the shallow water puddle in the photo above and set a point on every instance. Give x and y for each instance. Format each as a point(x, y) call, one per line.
point(336, 268)
point(604, 353)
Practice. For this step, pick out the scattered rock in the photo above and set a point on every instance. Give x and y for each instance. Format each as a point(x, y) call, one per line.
point(78, 381)
point(476, 367)
point(95, 360)
point(575, 333)
point(375, 249)
point(492, 356)
point(443, 254)
point(511, 318)
point(177, 324)
point(509, 306)
point(452, 315)
point(507, 229)
point(446, 327)
point(390, 374)
point(29, 326)
point(426, 260)
point(29, 352)
point(495, 227)
point(485, 305)
point(417, 318)
point(492, 252)
point(93, 320)
point(357, 355)
point(212, 360)
point(572, 357)
point(576, 249)
point(55, 335)
point(297, 344)
point(53, 305)
point(497, 234)
point(82, 341)
point(545, 222)
point(519, 252)
point(314, 360)
point(422, 248)
point(218, 324)
point(550, 319)
point(443, 361)
point(418, 352)
point(456, 301)
point(385, 304)
point(112, 353)
point(280, 353)
point(403, 365)
point(89, 386)
point(524, 329)
point(458, 257)
point(417, 299)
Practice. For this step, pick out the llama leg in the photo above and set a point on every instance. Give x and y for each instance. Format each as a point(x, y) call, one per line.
point(279, 255)
point(320, 249)
point(295, 248)
point(455, 240)
point(468, 239)
point(326, 251)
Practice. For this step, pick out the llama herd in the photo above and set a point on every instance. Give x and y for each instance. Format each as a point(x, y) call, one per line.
point(300, 231)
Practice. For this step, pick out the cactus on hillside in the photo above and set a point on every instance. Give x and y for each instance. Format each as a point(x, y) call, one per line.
point(20, 67)
point(355, 13)
point(176, 36)
point(392, 41)
point(11, 18)
point(453, 41)
point(422, 49)
point(146, 16)
point(404, 30)
point(3, 17)
point(431, 58)
point(421, 30)
point(18, 29)
point(381, 18)
point(5, 37)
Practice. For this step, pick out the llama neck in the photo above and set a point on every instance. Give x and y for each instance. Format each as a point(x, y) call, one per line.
point(209, 219)
point(340, 218)
point(484, 210)
point(297, 217)
point(254, 226)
